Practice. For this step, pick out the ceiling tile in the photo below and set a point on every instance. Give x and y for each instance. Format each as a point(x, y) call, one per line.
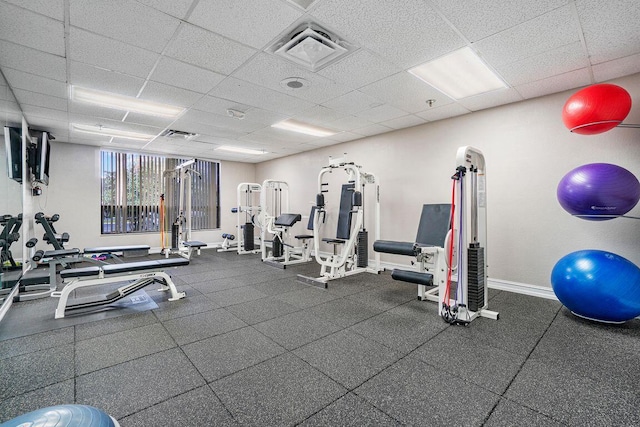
point(406, 33)
point(268, 70)
point(259, 115)
point(176, 8)
point(444, 112)
point(21, 80)
point(555, 84)
point(550, 31)
point(258, 96)
point(273, 135)
point(348, 123)
point(33, 61)
point(218, 105)
point(26, 97)
point(352, 102)
point(406, 92)
point(89, 110)
point(359, 69)
point(31, 111)
point(371, 130)
point(610, 29)
point(226, 122)
point(550, 63)
point(255, 26)
point(208, 50)
point(205, 131)
point(491, 99)
point(381, 113)
point(180, 74)
point(145, 119)
point(98, 78)
point(404, 122)
point(159, 92)
point(340, 137)
point(124, 20)
point(616, 68)
point(110, 54)
point(319, 115)
point(30, 29)
point(51, 8)
point(478, 19)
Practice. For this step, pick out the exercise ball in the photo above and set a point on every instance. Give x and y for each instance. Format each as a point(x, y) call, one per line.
point(64, 416)
point(596, 109)
point(598, 191)
point(598, 285)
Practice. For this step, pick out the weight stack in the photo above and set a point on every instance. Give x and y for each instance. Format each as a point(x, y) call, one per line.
point(362, 249)
point(475, 277)
point(175, 231)
point(276, 248)
point(247, 233)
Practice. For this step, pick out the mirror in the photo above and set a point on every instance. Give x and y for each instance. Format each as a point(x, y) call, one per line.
point(10, 190)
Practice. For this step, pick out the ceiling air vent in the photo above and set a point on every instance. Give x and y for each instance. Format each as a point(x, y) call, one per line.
point(178, 134)
point(312, 47)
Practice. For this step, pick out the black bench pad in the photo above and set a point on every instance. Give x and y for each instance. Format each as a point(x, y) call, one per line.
point(287, 219)
point(333, 241)
point(397, 248)
point(413, 277)
point(304, 236)
point(62, 253)
point(194, 244)
point(111, 249)
point(128, 267)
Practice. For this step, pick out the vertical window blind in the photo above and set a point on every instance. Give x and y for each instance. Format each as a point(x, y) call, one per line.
point(133, 183)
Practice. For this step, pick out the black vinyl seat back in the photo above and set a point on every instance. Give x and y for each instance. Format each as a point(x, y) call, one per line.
point(435, 222)
point(344, 216)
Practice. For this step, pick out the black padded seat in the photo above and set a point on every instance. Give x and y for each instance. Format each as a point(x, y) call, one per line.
point(111, 249)
point(304, 236)
point(333, 241)
point(128, 267)
point(287, 219)
point(195, 244)
point(62, 253)
point(397, 248)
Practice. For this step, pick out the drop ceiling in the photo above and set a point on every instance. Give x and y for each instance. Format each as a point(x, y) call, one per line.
point(210, 56)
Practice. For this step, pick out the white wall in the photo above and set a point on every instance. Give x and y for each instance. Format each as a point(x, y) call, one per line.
point(527, 149)
point(74, 193)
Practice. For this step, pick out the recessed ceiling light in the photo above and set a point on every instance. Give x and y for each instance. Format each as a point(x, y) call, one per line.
point(459, 74)
point(242, 150)
point(115, 133)
point(301, 127)
point(124, 103)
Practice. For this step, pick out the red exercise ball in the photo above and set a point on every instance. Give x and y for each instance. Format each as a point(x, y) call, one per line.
point(596, 109)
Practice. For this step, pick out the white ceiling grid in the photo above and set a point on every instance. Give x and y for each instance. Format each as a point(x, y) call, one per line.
point(210, 56)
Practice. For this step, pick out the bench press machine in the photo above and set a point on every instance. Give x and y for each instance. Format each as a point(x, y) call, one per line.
point(457, 243)
point(139, 274)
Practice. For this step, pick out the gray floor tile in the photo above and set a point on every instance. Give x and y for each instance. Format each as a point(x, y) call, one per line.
point(279, 286)
point(235, 296)
point(202, 325)
point(28, 372)
point(398, 332)
point(116, 324)
point(416, 394)
point(296, 329)
point(129, 387)
point(348, 358)
point(343, 312)
point(573, 399)
point(216, 285)
point(260, 310)
point(383, 298)
point(280, 391)
point(123, 346)
point(55, 394)
point(508, 413)
point(228, 353)
point(350, 410)
point(29, 344)
point(487, 367)
point(199, 407)
point(511, 305)
point(184, 307)
point(307, 297)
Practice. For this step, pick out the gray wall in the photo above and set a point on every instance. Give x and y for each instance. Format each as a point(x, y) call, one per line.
point(527, 149)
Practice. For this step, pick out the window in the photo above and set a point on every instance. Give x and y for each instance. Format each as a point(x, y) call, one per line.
point(133, 183)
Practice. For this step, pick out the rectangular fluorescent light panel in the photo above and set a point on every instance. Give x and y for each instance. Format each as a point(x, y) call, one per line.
point(301, 127)
point(459, 74)
point(124, 103)
point(115, 133)
point(241, 150)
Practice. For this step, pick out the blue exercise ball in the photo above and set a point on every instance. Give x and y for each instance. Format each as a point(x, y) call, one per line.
point(598, 191)
point(598, 285)
point(64, 416)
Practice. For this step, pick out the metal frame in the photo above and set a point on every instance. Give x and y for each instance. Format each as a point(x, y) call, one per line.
point(251, 211)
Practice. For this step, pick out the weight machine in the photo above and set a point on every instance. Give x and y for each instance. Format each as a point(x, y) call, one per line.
point(276, 221)
point(181, 243)
point(452, 238)
point(249, 204)
point(351, 244)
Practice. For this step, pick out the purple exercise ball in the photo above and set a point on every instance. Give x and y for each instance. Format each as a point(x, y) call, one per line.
point(598, 191)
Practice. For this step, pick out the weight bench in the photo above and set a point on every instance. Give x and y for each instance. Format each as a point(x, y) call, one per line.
point(126, 251)
point(141, 274)
point(192, 246)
